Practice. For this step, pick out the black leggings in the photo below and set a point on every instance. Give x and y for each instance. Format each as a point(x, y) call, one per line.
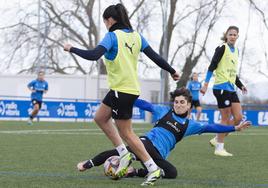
point(169, 169)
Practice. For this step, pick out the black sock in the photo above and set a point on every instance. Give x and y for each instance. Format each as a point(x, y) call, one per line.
point(89, 164)
point(31, 117)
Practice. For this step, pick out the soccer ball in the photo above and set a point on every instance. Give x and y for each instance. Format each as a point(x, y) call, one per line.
point(110, 166)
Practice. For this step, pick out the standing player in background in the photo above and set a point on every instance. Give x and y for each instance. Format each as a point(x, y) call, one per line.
point(194, 87)
point(121, 47)
point(38, 87)
point(225, 65)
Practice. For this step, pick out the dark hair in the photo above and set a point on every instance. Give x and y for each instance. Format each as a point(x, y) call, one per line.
point(119, 13)
point(41, 72)
point(224, 37)
point(192, 75)
point(181, 92)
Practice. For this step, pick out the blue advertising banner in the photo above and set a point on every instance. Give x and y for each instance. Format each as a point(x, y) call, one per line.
point(56, 109)
point(87, 110)
point(213, 116)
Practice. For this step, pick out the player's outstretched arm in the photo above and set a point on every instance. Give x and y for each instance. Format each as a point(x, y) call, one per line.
point(92, 55)
point(218, 128)
point(144, 105)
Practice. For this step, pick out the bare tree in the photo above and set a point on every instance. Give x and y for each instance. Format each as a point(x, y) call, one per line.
point(203, 15)
point(205, 18)
point(73, 21)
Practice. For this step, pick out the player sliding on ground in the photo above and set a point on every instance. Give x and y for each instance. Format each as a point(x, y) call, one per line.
point(171, 125)
point(121, 47)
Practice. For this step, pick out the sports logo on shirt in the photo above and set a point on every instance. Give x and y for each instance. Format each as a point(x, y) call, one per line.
point(130, 48)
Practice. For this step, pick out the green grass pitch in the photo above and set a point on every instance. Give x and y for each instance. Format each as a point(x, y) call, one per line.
point(46, 154)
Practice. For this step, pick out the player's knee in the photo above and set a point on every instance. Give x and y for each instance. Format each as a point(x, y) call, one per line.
point(171, 173)
point(238, 119)
point(99, 120)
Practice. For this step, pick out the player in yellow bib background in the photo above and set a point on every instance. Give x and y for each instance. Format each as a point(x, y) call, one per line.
point(121, 47)
point(225, 65)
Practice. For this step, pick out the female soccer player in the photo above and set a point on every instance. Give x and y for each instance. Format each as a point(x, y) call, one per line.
point(38, 87)
point(224, 63)
point(121, 47)
point(194, 86)
point(171, 125)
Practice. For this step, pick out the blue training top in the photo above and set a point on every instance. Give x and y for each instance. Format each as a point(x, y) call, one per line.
point(163, 140)
point(39, 87)
point(111, 44)
point(194, 87)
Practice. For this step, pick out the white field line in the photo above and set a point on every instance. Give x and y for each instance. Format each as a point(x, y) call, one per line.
point(61, 131)
point(99, 132)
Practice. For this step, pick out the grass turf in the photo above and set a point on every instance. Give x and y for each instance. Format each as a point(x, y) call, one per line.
point(45, 155)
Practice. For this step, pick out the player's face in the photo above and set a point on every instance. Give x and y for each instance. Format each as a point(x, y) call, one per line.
point(181, 105)
point(195, 77)
point(41, 76)
point(232, 36)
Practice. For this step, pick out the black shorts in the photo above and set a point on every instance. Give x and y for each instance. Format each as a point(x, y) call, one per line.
point(120, 103)
point(225, 98)
point(34, 102)
point(195, 103)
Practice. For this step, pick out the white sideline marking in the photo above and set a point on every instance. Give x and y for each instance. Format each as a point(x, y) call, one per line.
point(62, 131)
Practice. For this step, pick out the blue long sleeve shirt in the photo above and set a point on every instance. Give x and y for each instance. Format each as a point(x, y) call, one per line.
point(39, 87)
point(164, 140)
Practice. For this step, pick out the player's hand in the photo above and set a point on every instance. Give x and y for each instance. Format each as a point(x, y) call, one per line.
point(204, 89)
point(243, 125)
point(67, 47)
point(244, 90)
point(175, 76)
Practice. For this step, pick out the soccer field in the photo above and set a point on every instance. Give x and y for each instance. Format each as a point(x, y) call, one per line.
point(46, 154)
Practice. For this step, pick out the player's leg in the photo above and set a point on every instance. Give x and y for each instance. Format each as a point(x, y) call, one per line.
point(36, 108)
point(104, 121)
point(122, 113)
point(169, 170)
point(224, 104)
point(237, 114)
point(198, 111)
point(97, 160)
point(236, 110)
point(126, 132)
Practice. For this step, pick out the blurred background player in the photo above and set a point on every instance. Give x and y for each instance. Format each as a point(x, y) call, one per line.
point(225, 65)
point(121, 47)
point(171, 125)
point(194, 87)
point(37, 87)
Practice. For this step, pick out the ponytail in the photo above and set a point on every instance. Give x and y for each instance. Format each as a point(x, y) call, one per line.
point(119, 13)
point(224, 37)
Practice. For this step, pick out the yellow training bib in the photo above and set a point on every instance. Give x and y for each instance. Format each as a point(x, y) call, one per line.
point(122, 71)
point(226, 70)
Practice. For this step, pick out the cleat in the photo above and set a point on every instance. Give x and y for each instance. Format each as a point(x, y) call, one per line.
point(152, 177)
point(125, 161)
point(213, 142)
point(223, 153)
point(30, 122)
point(84, 165)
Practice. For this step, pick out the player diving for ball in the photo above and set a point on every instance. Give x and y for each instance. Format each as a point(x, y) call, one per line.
point(171, 125)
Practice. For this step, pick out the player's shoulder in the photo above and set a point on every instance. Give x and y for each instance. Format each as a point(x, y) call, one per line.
point(220, 48)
